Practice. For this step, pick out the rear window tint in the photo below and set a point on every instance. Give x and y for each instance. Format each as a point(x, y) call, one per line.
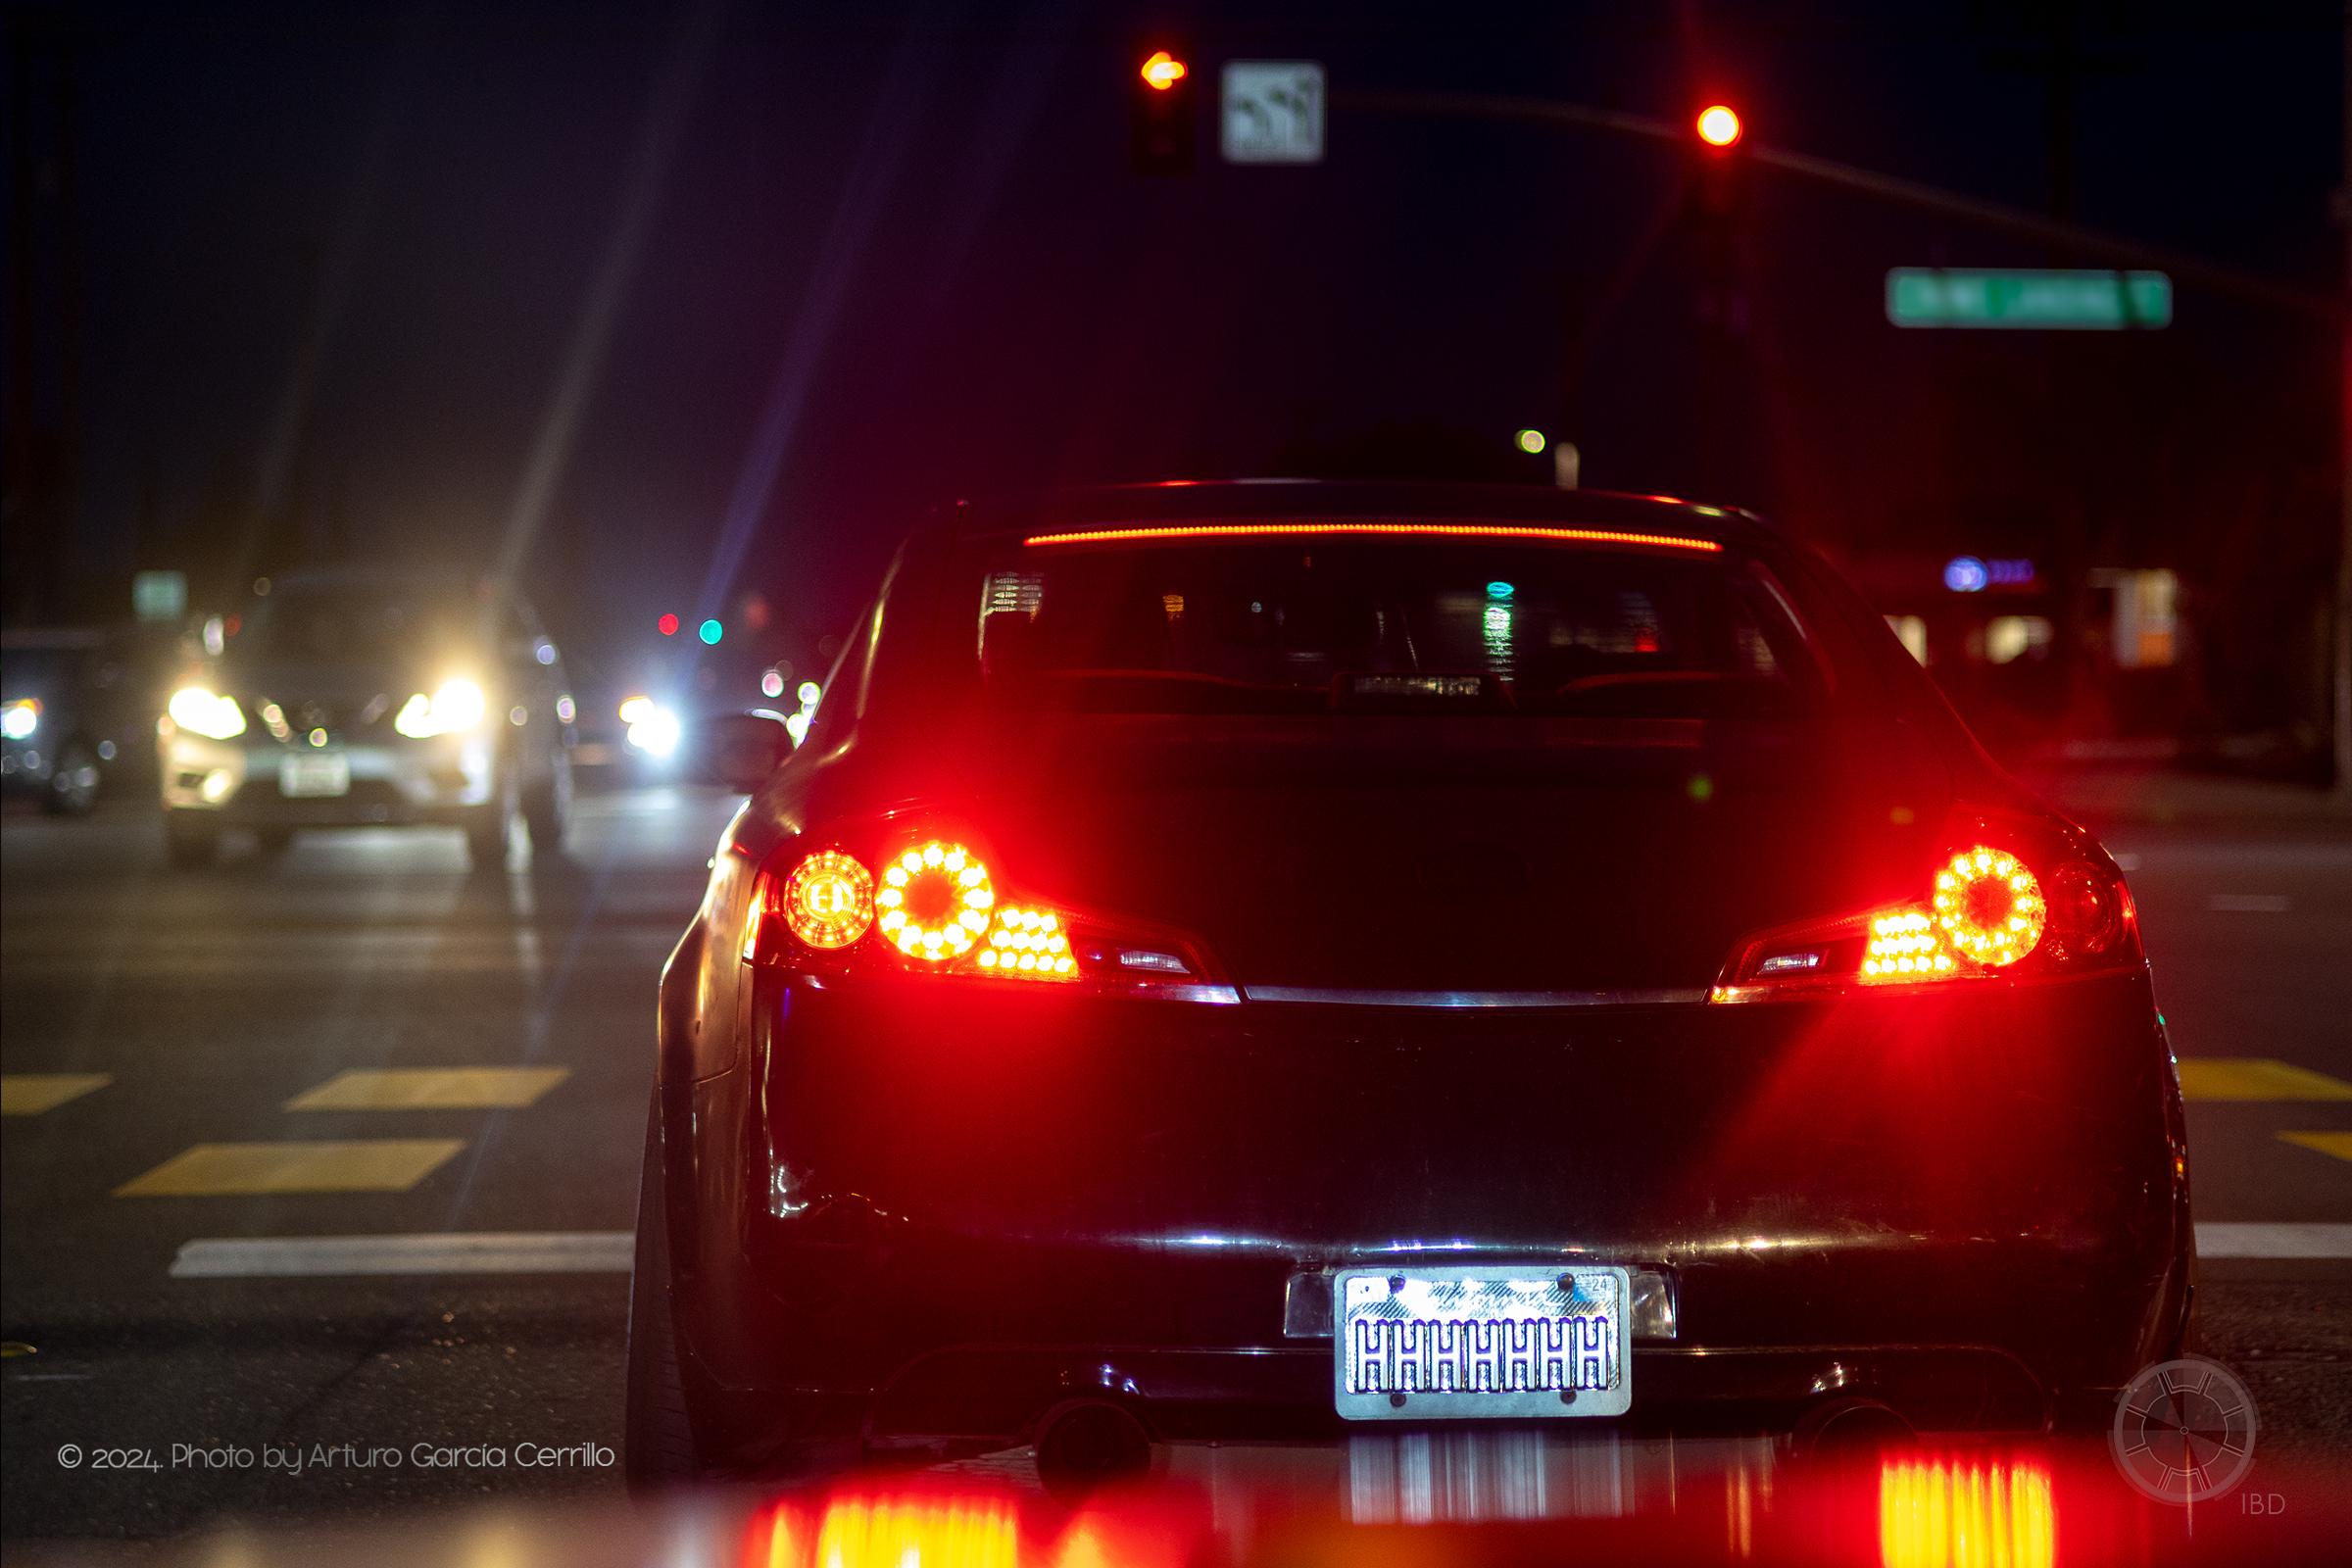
point(1339, 624)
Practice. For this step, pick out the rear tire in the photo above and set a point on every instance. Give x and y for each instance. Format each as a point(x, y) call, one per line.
point(547, 808)
point(657, 1434)
point(189, 844)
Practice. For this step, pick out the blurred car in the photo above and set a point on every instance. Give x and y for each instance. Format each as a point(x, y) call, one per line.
point(356, 697)
point(76, 704)
point(1272, 962)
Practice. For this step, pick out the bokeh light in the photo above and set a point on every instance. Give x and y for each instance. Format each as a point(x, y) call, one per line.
point(1719, 125)
point(1164, 71)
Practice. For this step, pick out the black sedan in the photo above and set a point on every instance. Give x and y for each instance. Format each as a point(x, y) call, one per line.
point(1258, 960)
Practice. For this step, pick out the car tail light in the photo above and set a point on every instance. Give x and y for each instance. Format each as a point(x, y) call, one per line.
point(2014, 896)
point(828, 901)
point(879, 902)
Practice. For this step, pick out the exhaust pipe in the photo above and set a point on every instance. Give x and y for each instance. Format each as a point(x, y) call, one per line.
point(1084, 1444)
point(1850, 1429)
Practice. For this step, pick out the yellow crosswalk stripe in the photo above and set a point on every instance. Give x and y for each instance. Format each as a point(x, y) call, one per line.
point(28, 1094)
point(366, 1165)
point(2337, 1144)
point(430, 1089)
point(2256, 1078)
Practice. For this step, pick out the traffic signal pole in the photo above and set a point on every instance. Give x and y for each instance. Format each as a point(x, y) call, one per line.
point(2091, 243)
point(2070, 239)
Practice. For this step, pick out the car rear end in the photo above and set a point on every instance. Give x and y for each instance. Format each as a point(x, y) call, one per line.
point(1259, 969)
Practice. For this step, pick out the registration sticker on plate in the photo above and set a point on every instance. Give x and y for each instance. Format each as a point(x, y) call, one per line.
point(1421, 1344)
point(314, 773)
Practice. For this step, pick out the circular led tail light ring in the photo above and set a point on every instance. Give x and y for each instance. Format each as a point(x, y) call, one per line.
point(1989, 907)
point(829, 901)
point(934, 901)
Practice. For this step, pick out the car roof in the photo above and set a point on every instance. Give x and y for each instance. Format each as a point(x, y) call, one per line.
point(1186, 500)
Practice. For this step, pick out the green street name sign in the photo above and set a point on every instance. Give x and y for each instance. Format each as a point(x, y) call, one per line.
point(2078, 301)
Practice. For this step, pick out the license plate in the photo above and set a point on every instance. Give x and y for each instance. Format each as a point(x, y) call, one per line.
point(1421, 1344)
point(324, 773)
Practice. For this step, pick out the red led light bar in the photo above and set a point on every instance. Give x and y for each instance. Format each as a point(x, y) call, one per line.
point(1451, 531)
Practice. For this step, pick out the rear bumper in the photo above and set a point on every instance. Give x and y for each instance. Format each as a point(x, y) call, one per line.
point(921, 1216)
point(970, 1399)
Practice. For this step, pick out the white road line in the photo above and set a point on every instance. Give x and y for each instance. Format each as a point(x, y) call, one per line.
point(476, 1252)
point(2275, 1241)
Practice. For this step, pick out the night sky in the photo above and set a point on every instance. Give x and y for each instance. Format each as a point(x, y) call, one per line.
point(910, 237)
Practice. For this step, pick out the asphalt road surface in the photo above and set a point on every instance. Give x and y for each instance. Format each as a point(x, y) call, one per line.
point(362, 1039)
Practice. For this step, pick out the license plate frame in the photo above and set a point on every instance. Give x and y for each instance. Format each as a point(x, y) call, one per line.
point(315, 777)
point(1482, 1342)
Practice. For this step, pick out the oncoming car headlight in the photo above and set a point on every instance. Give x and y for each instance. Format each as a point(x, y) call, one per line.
point(652, 728)
point(193, 707)
point(20, 719)
point(458, 705)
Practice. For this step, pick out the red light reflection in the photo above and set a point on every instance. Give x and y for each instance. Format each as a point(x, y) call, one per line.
point(1936, 1512)
point(932, 1530)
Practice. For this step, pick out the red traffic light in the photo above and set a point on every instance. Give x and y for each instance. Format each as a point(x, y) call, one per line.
point(668, 625)
point(1164, 71)
point(1160, 105)
point(1718, 125)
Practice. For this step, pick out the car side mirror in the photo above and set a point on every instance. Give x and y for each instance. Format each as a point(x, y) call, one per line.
point(737, 750)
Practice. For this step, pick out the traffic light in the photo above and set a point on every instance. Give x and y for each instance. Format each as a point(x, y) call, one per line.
point(1161, 110)
point(1718, 184)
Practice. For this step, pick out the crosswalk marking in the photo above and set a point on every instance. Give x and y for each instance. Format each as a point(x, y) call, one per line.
point(369, 1165)
point(2337, 1144)
point(2274, 1240)
point(430, 1089)
point(28, 1094)
point(460, 1252)
point(2256, 1078)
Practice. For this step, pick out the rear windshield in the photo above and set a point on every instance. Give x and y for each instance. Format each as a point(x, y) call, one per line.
point(361, 623)
point(1339, 624)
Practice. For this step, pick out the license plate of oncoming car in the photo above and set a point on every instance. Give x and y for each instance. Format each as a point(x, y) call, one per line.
point(328, 774)
point(1420, 1344)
